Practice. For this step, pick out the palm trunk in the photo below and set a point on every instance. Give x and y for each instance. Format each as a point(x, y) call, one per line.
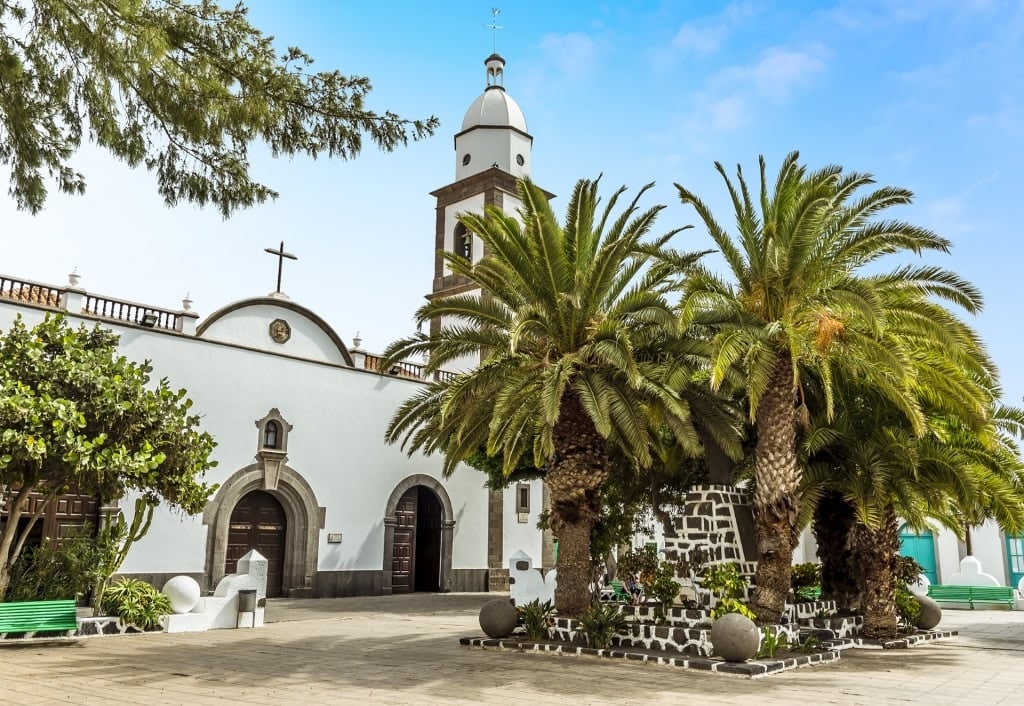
point(833, 531)
point(876, 551)
point(720, 466)
point(574, 477)
point(775, 496)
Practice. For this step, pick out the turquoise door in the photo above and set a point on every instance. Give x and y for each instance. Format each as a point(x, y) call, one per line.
point(1015, 558)
point(920, 547)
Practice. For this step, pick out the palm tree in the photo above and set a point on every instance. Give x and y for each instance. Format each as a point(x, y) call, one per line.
point(869, 466)
point(568, 328)
point(953, 379)
point(798, 302)
point(884, 473)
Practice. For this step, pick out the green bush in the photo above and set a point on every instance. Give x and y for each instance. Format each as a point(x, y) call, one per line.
point(806, 576)
point(907, 571)
point(600, 623)
point(728, 585)
point(56, 570)
point(535, 617)
point(637, 562)
point(661, 585)
point(907, 607)
point(136, 603)
point(806, 581)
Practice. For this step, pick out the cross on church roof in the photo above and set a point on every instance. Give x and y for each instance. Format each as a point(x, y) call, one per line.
point(281, 255)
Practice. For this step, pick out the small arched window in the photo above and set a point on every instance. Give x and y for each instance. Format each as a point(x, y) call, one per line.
point(271, 435)
point(463, 244)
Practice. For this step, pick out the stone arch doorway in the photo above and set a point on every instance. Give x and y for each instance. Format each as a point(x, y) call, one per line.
point(258, 522)
point(303, 521)
point(418, 529)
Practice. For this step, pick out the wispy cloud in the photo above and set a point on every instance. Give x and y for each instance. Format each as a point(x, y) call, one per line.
point(574, 54)
point(780, 70)
point(704, 36)
point(882, 14)
point(732, 96)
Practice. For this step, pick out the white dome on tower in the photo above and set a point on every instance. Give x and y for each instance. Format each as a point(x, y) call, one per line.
point(494, 108)
point(494, 132)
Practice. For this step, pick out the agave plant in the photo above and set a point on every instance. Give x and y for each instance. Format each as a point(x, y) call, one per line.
point(600, 623)
point(136, 603)
point(535, 617)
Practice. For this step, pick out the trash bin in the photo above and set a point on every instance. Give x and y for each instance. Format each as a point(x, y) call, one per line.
point(247, 600)
point(247, 604)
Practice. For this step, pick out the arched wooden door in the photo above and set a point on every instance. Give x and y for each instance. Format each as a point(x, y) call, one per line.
point(258, 522)
point(416, 556)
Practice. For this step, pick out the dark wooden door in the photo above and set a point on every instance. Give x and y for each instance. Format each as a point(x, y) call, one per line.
point(64, 515)
point(403, 562)
point(428, 542)
point(258, 522)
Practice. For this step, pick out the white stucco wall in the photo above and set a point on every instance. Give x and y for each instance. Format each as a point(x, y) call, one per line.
point(248, 326)
point(339, 416)
point(523, 536)
point(488, 147)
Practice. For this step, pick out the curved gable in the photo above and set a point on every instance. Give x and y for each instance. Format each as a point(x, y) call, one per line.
point(252, 323)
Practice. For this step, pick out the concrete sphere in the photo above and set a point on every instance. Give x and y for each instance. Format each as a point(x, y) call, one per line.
point(498, 618)
point(735, 637)
point(183, 592)
point(931, 613)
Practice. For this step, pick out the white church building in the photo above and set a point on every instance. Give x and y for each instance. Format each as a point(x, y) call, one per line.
point(299, 417)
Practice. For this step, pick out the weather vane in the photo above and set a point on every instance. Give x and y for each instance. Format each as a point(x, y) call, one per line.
point(494, 27)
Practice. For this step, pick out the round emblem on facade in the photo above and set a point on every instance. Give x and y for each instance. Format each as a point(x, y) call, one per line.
point(280, 331)
point(465, 160)
point(520, 160)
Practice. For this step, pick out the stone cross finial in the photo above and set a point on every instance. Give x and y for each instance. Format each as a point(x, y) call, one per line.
point(281, 255)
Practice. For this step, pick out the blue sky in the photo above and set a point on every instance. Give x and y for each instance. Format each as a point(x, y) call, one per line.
point(924, 94)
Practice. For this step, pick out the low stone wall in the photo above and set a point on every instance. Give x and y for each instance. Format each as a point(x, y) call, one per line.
point(110, 625)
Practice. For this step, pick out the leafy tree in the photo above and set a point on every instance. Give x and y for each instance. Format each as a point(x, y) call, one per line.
point(182, 87)
point(76, 415)
point(567, 330)
point(798, 301)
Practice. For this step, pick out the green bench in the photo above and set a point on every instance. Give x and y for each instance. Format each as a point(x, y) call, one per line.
point(38, 616)
point(621, 594)
point(973, 594)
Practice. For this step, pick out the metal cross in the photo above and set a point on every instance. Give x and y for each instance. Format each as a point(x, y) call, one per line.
point(494, 27)
point(281, 255)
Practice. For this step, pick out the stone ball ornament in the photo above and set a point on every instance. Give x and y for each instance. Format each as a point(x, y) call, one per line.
point(183, 593)
point(498, 618)
point(735, 637)
point(931, 613)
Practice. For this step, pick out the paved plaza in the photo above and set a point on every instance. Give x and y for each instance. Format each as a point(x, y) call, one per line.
point(404, 650)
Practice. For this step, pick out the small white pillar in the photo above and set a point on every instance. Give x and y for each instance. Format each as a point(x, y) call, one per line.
point(72, 300)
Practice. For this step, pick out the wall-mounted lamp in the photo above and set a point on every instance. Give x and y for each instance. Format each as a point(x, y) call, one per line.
point(148, 319)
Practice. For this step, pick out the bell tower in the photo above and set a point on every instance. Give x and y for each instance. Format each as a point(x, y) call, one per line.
point(492, 150)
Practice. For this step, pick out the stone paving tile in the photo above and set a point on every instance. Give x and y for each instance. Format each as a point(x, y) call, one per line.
point(403, 649)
